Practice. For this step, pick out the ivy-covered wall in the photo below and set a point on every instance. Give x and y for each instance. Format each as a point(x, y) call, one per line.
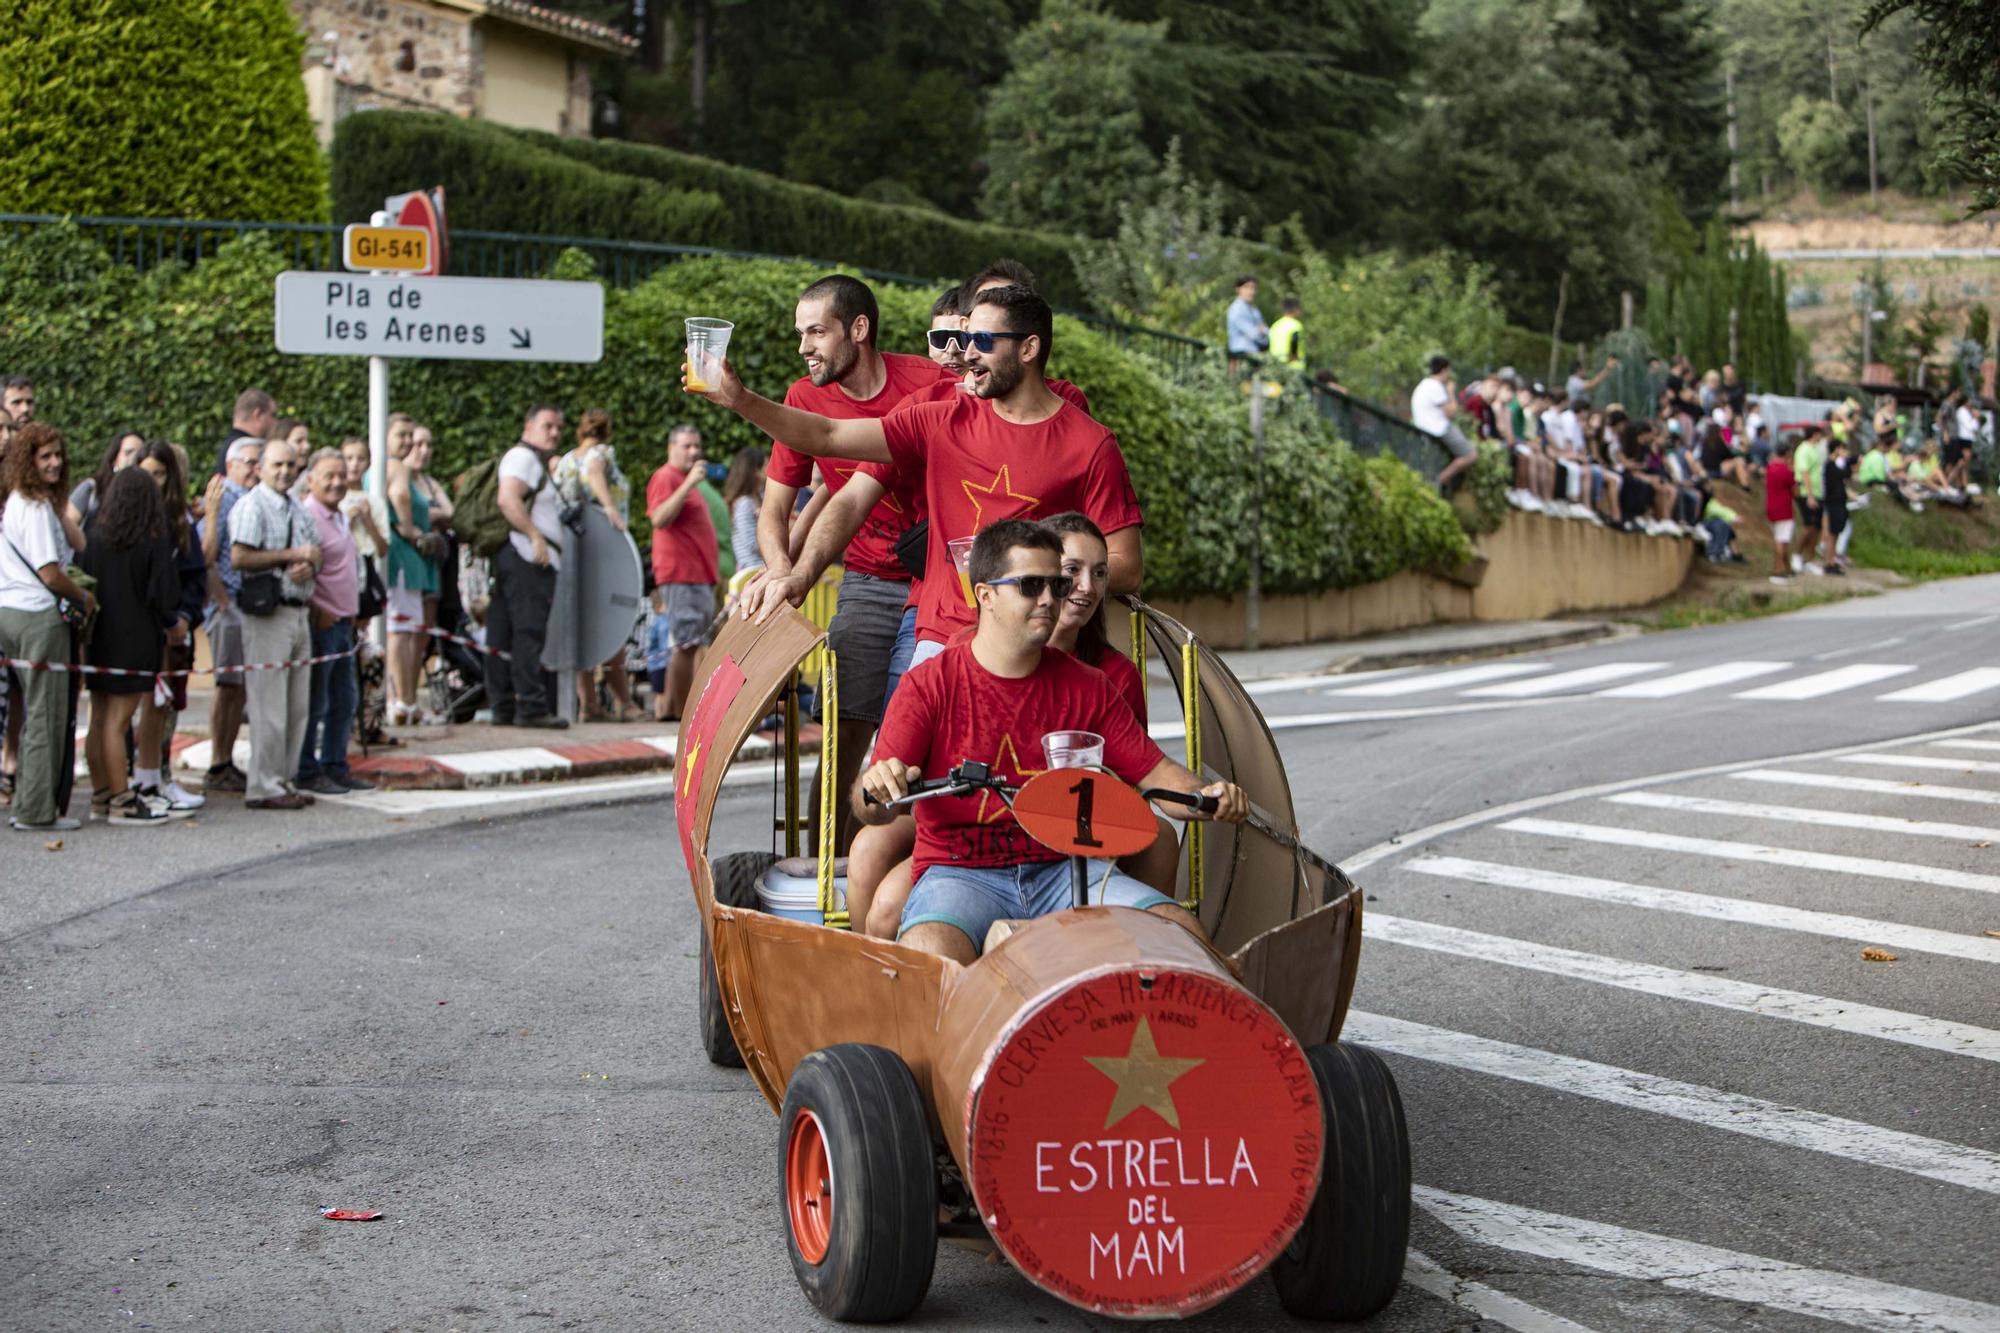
point(166, 352)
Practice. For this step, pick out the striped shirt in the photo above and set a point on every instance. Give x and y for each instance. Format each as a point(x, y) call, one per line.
point(268, 520)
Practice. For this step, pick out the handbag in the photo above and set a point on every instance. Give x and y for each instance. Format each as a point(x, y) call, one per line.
point(74, 614)
point(258, 595)
point(374, 594)
point(914, 546)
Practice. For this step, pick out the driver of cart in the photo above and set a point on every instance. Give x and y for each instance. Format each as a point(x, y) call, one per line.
point(992, 698)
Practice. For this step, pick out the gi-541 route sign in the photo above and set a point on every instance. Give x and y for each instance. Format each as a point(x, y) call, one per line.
point(405, 249)
point(446, 319)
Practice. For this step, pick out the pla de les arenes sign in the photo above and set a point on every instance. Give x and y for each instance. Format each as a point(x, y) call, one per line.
point(455, 319)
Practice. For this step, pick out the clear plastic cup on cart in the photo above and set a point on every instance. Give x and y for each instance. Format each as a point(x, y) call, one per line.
point(1073, 749)
point(707, 344)
point(961, 560)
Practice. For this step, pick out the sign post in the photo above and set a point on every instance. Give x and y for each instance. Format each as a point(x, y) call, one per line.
point(378, 438)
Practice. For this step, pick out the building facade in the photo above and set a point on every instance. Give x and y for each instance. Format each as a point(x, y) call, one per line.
point(506, 61)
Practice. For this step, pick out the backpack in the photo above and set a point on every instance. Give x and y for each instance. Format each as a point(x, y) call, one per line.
point(476, 516)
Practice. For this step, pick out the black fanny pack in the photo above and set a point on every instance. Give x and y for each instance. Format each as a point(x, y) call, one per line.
point(259, 595)
point(913, 547)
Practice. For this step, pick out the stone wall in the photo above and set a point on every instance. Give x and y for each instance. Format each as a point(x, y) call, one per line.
point(1535, 567)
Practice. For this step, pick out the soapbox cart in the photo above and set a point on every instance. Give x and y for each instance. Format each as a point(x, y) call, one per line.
point(1140, 1122)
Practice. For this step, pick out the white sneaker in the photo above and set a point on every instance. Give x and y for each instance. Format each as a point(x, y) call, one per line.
point(1798, 563)
point(139, 811)
point(164, 800)
point(180, 798)
point(1814, 567)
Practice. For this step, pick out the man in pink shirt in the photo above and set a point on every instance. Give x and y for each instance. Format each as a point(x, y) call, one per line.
point(336, 596)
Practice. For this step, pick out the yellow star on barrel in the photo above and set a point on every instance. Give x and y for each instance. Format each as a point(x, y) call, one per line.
point(1143, 1077)
point(687, 765)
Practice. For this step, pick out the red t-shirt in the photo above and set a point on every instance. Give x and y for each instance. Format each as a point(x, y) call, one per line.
point(1124, 678)
point(951, 709)
point(1778, 491)
point(951, 384)
point(684, 550)
point(976, 469)
point(873, 550)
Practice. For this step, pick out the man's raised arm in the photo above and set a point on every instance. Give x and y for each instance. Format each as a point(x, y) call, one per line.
point(830, 534)
point(807, 432)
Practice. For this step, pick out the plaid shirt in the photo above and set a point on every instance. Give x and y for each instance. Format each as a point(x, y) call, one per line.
point(267, 520)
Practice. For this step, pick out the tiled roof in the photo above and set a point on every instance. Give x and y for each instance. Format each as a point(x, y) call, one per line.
point(582, 30)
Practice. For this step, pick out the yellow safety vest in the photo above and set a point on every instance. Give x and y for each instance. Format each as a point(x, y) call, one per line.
point(1288, 342)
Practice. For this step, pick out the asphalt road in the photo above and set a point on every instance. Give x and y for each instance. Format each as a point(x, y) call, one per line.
point(1615, 960)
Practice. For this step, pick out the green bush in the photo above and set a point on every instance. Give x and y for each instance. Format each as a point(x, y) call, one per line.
point(190, 109)
point(603, 194)
point(166, 353)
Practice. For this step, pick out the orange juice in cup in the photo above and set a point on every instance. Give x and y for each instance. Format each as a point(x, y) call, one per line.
point(961, 560)
point(707, 343)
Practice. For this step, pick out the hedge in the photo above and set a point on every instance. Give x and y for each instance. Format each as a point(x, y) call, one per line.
point(600, 188)
point(189, 109)
point(166, 352)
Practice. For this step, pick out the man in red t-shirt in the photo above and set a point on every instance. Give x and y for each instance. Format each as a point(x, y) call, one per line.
point(849, 379)
point(991, 697)
point(684, 563)
point(1011, 448)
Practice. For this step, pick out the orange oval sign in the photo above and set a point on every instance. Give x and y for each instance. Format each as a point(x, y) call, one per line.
point(1082, 812)
point(1143, 1142)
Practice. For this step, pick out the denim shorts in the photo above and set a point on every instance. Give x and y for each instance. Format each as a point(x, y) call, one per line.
point(901, 656)
point(972, 898)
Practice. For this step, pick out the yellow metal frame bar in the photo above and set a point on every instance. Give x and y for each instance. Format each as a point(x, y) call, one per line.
point(792, 766)
point(1191, 718)
point(1139, 644)
point(829, 781)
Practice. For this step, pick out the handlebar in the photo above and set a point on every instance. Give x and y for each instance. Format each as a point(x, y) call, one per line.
point(966, 777)
point(1207, 805)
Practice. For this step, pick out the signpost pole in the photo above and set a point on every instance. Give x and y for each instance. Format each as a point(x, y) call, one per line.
point(378, 457)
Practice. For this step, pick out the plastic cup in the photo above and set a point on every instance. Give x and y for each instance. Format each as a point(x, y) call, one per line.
point(707, 344)
point(961, 560)
point(1073, 749)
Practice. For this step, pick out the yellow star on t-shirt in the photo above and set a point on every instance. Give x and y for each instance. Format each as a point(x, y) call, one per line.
point(846, 474)
point(1004, 486)
point(1019, 770)
point(1144, 1078)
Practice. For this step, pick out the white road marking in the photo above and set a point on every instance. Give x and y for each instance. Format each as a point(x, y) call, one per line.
point(1828, 682)
point(1712, 1108)
point(1819, 1293)
point(1947, 688)
point(1317, 681)
point(1720, 676)
point(1908, 871)
point(485, 763)
point(1566, 680)
point(1668, 983)
point(1740, 911)
point(549, 794)
point(1424, 1272)
point(1923, 761)
point(1890, 642)
point(1167, 731)
point(1793, 814)
point(1970, 745)
point(1975, 621)
point(1879, 786)
point(1356, 862)
point(1441, 680)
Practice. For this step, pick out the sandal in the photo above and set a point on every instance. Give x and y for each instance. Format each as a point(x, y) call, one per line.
point(129, 807)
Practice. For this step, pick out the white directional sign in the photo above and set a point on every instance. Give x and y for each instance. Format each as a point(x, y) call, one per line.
point(446, 319)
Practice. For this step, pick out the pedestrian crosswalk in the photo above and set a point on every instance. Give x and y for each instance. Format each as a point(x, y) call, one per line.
point(1802, 906)
point(1755, 680)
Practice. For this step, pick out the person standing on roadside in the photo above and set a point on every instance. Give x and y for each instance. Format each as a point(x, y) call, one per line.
point(1249, 337)
point(1807, 459)
point(334, 691)
point(590, 472)
point(684, 564)
point(1432, 405)
point(224, 626)
point(517, 617)
point(1288, 335)
point(35, 551)
point(253, 417)
point(274, 541)
point(152, 772)
point(17, 399)
point(139, 590)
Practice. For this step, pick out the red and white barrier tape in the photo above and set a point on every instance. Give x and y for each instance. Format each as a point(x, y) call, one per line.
point(85, 669)
point(397, 622)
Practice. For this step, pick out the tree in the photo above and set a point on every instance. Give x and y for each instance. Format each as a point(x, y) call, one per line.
point(1817, 139)
point(1506, 154)
point(1062, 128)
point(1960, 49)
point(1279, 103)
point(1670, 102)
point(193, 109)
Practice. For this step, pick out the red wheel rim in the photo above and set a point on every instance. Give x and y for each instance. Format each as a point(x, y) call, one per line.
point(809, 1187)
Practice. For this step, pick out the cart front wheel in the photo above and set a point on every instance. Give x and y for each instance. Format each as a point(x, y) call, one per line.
point(859, 1183)
point(735, 877)
point(1346, 1261)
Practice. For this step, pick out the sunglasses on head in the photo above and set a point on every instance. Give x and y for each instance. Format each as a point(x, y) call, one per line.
point(984, 340)
point(1033, 585)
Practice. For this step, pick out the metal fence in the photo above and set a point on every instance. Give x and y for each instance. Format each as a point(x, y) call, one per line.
point(1372, 429)
point(152, 242)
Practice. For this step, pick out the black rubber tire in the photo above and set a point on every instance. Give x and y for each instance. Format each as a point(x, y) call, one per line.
point(1347, 1260)
point(735, 877)
point(883, 1236)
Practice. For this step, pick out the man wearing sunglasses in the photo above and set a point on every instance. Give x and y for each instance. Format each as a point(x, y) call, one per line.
point(1010, 448)
point(847, 378)
point(991, 697)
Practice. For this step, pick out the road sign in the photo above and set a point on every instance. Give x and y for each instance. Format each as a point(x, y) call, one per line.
point(446, 319)
point(405, 249)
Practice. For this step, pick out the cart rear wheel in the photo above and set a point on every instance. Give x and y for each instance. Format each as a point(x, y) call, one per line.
point(858, 1183)
point(735, 877)
point(1347, 1260)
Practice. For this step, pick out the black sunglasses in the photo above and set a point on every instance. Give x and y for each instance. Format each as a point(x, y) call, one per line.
point(942, 339)
point(1033, 585)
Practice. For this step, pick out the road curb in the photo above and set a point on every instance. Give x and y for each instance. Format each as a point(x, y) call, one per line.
point(572, 762)
point(1362, 657)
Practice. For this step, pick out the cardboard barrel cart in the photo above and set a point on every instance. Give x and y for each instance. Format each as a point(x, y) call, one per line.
point(1139, 1121)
